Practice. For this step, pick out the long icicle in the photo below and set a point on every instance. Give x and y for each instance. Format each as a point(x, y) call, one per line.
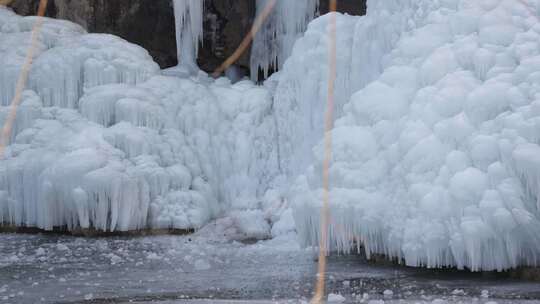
point(188, 16)
point(274, 42)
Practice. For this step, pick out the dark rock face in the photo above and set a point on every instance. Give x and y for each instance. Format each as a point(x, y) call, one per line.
point(150, 24)
point(351, 7)
point(226, 23)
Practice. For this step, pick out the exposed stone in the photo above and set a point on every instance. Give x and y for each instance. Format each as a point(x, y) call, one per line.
point(526, 273)
point(351, 7)
point(227, 22)
point(150, 24)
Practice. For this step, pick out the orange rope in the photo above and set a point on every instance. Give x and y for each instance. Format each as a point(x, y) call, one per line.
point(529, 9)
point(259, 21)
point(23, 79)
point(323, 244)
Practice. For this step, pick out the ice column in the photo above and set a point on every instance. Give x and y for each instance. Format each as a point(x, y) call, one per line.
point(274, 42)
point(188, 15)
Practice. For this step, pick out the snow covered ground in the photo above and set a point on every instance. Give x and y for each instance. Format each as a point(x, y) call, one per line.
point(338, 301)
point(209, 266)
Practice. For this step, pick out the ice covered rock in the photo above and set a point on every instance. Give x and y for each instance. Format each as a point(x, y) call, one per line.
point(61, 172)
point(335, 298)
point(15, 40)
point(101, 141)
point(274, 41)
point(29, 110)
point(301, 92)
point(435, 155)
point(63, 73)
point(163, 154)
point(188, 16)
point(251, 224)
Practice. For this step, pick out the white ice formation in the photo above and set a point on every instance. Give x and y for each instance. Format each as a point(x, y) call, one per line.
point(274, 41)
point(188, 16)
point(272, 44)
point(102, 141)
point(435, 155)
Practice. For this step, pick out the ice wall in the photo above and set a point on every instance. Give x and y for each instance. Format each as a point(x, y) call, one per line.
point(226, 131)
point(63, 73)
point(188, 16)
point(435, 155)
point(363, 44)
point(271, 46)
point(103, 141)
point(274, 42)
point(14, 43)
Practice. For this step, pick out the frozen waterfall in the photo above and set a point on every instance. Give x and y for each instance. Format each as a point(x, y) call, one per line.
point(188, 15)
point(435, 156)
point(274, 42)
point(271, 46)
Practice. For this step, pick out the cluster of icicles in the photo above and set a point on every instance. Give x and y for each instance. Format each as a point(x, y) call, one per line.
point(272, 44)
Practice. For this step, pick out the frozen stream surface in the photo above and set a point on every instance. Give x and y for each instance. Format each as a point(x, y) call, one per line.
point(208, 268)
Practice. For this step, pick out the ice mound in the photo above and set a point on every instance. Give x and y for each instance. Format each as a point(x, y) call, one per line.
point(66, 59)
point(102, 141)
point(166, 153)
point(62, 172)
point(301, 90)
point(62, 74)
point(222, 136)
point(436, 160)
point(15, 39)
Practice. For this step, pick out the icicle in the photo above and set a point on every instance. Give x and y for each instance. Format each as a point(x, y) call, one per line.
point(275, 40)
point(189, 30)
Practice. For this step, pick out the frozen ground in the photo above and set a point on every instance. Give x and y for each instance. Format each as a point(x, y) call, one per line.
point(204, 267)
